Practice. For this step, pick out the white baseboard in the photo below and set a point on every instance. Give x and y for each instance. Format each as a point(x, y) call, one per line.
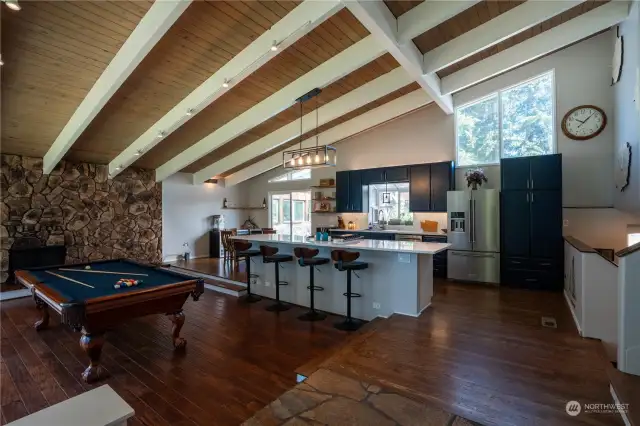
point(223, 290)
point(15, 294)
point(625, 419)
point(573, 312)
point(202, 275)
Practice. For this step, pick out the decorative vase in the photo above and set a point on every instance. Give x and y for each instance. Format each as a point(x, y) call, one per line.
point(474, 186)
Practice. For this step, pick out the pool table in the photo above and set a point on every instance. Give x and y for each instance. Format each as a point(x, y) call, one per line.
point(85, 297)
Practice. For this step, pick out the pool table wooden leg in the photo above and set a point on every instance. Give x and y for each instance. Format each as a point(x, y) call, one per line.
point(43, 322)
point(92, 343)
point(177, 318)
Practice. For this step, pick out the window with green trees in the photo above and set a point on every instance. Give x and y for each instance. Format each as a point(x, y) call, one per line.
point(515, 122)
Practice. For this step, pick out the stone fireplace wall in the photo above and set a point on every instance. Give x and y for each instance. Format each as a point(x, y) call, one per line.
point(79, 206)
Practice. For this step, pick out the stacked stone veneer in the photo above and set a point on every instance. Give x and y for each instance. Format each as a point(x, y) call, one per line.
point(79, 206)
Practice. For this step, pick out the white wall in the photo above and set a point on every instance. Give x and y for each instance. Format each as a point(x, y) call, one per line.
point(626, 121)
point(187, 211)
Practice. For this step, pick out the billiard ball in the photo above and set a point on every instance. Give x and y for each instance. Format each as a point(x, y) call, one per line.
point(87, 267)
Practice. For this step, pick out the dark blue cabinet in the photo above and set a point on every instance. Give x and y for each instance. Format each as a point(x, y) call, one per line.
point(441, 182)
point(396, 174)
point(342, 192)
point(531, 222)
point(420, 188)
point(542, 172)
point(372, 176)
point(349, 197)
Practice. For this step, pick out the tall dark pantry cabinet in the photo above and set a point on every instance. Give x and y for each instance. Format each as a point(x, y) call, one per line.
point(531, 222)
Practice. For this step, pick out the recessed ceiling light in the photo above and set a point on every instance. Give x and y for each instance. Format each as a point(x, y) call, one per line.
point(160, 134)
point(12, 4)
point(225, 83)
point(117, 168)
point(138, 152)
point(190, 112)
point(274, 46)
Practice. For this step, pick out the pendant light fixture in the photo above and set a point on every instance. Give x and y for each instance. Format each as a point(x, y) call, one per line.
point(316, 156)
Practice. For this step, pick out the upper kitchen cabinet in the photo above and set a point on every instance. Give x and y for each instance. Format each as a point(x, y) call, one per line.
point(396, 174)
point(420, 188)
point(441, 182)
point(428, 186)
point(349, 192)
point(542, 172)
point(384, 175)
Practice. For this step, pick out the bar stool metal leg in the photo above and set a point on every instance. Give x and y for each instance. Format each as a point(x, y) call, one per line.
point(350, 323)
point(278, 306)
point(250, 297)
point(312, 315)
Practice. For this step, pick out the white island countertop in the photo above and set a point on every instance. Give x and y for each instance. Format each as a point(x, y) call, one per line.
point(414, 247)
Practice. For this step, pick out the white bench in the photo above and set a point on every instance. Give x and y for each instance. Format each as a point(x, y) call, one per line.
point(98, 407)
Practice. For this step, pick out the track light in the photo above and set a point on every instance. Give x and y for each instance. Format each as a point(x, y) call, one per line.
point(138, 153)
point(189, 112)
point(274, 46)
point(225, 83)
point(12, 4)
point(161, 134)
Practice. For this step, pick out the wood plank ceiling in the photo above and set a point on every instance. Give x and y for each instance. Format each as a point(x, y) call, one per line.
point(55, 50)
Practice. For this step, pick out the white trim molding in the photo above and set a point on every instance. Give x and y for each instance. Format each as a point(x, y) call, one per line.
point(344, 63)
point(369, 92)
point(153, 25)
point(297, 23)
point(374, 117)
point(378, 19)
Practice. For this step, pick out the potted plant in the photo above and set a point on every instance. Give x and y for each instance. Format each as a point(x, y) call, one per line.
point(475, 178)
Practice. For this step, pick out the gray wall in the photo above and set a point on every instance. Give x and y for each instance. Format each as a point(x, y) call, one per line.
point(626, 119)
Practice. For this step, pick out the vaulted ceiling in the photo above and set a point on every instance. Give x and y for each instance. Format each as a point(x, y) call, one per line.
point(209, 87)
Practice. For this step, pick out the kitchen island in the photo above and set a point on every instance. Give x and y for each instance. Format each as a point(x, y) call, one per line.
point(399, 278)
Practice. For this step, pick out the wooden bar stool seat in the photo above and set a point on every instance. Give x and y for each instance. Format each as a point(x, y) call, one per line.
point(306, 257)
point(270, 255)
point(346, 261)
point(243, 249)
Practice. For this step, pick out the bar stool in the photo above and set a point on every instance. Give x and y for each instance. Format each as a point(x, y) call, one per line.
point(270, 255)
point(306, 257)
point(243, 249)
point(346, 261)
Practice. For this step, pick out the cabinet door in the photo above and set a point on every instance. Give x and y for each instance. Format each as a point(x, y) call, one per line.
point(516, 218)
point(514, 173)
point(441, 179)
point(355, 191)
point(420, 188)
point(372, 176)
point(397, 174)
point(342, 192)
point(546, 172)
point(546, 224)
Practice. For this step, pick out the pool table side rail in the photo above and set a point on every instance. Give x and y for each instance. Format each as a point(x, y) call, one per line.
point(36, 287)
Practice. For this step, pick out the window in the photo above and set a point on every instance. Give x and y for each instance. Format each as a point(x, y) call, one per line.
point(515, 122)
point(275, 212)
point(298, 211)
point(292, 175)
point(390, 204)
point(286, 211)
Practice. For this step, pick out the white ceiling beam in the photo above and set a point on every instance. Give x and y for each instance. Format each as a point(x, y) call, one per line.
point(381, 23)
point(300, 21)
point(326, 73)
point(500, 28)
point(427, 15)
point(549, 41)
point(363, 95)
point(369, 119)
point(153, 25)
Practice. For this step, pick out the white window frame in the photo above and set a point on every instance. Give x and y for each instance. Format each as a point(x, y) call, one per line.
point(278, 179)
point(554, 139)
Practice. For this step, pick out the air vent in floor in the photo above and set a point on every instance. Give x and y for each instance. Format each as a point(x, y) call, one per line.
point(549, 322)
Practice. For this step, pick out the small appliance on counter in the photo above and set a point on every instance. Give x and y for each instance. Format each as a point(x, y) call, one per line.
point(215, 247)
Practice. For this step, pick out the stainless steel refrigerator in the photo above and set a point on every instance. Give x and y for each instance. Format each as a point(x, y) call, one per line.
point(474, 234)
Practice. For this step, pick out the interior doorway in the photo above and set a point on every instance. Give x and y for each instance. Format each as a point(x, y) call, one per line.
point(290, 212)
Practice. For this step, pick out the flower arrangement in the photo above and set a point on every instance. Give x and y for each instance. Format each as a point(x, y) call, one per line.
point(475, 178)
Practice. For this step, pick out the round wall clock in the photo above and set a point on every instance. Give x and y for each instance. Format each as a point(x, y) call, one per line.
point(584, 122)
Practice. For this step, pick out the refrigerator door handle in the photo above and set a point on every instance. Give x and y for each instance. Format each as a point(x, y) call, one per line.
point(472, 255)
point(471, 219)
point(474, 221)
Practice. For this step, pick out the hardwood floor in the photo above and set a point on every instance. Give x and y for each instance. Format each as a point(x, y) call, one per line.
point(216, 267)
point(238, 359)
point(481, 353)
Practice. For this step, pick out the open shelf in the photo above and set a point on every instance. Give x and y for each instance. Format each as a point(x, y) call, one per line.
point(323, 187)
point(323, 199)
point(244, 208)
point(323, 211)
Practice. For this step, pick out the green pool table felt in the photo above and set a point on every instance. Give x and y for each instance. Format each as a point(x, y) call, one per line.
point(104, 283)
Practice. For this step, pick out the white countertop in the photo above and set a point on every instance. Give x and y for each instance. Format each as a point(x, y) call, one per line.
point(392, 231)
point(373, 245)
